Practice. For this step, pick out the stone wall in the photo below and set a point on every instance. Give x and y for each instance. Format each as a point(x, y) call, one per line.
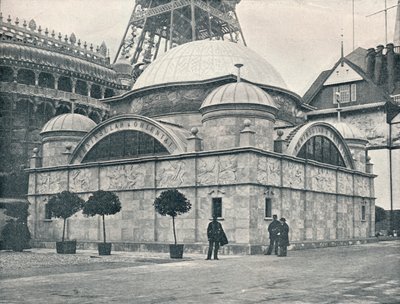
point(319, 202)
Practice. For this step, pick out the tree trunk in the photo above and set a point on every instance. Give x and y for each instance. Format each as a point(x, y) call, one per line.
point(104, 229)
point(63, 231)
point(173, 227)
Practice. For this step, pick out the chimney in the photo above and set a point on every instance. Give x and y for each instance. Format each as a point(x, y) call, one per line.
point(371, 62)
point(378, 64)
point(390, 66)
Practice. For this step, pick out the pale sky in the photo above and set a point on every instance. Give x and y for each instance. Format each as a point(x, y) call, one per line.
point(300, 38)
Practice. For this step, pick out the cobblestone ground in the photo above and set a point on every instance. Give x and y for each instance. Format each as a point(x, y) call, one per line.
point(356, 274)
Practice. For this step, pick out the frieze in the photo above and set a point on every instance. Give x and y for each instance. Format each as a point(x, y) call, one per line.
point(361, 185)
point(124, 177)
point(171, 174)
point(206, 172)
point(345, 183)
point(268, 171)
point(323, 180)
point(293, 175)
point(50, 182)
point(80, 179)
point(227, 169)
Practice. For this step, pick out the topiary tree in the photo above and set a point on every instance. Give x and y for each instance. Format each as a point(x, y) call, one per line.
point(102, 203)
point(172, 202)
point(63, 205)
point(15, 234)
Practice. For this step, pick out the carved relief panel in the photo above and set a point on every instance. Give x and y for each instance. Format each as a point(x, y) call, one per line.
point(322, 179)
point(122, 177)
point(51, 182)
point(83, 180)
point(361, 186)
point(171, 173)
point(269, 171)
point(207, 171)
point(345, 183)
point(227, 171)
point(293, 174)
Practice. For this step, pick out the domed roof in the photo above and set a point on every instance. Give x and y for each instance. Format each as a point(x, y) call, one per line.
point(208, 59)
point(123, 66)
point(348, 131)
point(69, 122)
point(238, 92)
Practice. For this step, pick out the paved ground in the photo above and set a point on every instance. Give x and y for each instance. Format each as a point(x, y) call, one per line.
point(357, 274)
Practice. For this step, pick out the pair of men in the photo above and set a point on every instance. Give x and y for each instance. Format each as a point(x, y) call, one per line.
point(278, 236)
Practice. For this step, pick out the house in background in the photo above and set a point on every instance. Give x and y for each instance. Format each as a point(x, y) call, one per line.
point(358, 90)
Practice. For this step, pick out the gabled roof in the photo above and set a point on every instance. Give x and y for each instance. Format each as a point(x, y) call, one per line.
point(356, 61)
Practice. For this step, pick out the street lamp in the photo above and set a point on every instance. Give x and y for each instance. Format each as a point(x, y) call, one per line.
point(392, 110)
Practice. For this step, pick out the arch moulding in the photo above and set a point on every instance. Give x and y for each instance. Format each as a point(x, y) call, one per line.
point(123, 123)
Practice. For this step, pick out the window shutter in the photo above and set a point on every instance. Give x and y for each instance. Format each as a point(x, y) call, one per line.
point(353, 92)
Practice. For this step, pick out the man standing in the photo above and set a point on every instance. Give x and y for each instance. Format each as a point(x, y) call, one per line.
point(283, 237)
point(273, 230)
point(215, 235)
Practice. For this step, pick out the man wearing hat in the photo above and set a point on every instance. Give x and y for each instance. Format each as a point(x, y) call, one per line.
point(216, 237)
point(283, 237)
point(273, 230)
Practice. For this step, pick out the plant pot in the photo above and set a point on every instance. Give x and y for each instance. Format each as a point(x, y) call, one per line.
point(104, 248)
point(66, 247)
point(176, 251)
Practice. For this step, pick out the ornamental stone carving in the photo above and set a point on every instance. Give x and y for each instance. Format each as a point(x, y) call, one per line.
point(79, 180)
point(268, 171)
point(171, 174)
point(262, 170)
point(361, 186)
point(323, 180)
point(50, 182)
point(124, 177)
point(227, 169)
point(206, 172)
point(345, 183)
point(293, 175)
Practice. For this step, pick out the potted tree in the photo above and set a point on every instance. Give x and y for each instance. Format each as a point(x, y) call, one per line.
point(63, 205)
point(15, 234)
point(102, 203)
point(172, 202)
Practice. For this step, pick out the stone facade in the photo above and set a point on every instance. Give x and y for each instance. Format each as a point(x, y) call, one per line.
point(319, 202)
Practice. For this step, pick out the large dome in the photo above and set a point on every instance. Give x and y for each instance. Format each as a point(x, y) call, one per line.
point(205, 60)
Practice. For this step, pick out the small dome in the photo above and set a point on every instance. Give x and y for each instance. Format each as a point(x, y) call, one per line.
point(205, 60)
point(69, 122)
point(238, 93)
point(123, 66)
point(348, 131)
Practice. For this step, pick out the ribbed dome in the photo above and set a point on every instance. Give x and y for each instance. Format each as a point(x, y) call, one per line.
point(348, 131)
point(69, 122)
point(205, 60)
point(123, 66)
point(238, 93)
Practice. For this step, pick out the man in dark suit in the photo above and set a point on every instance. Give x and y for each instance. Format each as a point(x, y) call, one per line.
point(283, 237)
point(273, 230)
point(215, 235)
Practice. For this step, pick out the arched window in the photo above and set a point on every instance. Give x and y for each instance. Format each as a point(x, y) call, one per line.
point(26, 77)
point(95, 91)
point(64, 84)
point(81, 87)
point(46, 80)
point(44, 113)
point(321, 149)
point(95, 116)
point(62, 109)
point(125, 144)
point(6, 74)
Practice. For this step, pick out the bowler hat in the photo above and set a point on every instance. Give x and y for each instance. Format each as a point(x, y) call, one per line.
point(283, 219)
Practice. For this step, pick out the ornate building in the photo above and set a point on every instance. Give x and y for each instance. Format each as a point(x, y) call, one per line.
point(234, 145)
point(44, 74)
point(364, 87)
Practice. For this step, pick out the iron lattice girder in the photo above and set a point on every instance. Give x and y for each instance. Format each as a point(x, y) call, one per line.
point(138, 18)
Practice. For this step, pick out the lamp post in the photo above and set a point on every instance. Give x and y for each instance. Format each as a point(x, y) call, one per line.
point(392, 110)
